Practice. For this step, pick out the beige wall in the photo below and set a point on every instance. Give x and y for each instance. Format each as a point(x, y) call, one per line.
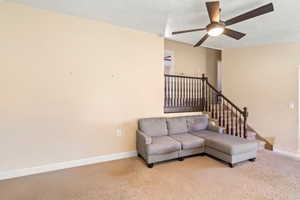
point(67, 84)
point(194, 61)
point(265, 79)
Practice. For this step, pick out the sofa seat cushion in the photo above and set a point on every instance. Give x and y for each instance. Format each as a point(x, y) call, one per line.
point(231, 145)
point(205, 133)
point(189, 141)
point(162, 145)
point(153, 126)
point(177, 125)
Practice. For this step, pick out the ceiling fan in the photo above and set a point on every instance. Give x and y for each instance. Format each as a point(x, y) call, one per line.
point(218, 27)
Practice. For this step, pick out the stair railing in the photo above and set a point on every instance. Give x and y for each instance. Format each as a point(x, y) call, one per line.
point(196, 94)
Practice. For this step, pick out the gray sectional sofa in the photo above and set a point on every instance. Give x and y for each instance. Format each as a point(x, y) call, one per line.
point(160, 139)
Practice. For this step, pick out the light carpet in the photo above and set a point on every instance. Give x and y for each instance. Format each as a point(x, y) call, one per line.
point(272, 176)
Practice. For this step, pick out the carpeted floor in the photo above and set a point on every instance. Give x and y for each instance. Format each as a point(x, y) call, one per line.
point(272, 176)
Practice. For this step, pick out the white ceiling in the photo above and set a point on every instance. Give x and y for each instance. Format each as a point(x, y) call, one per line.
point(164, 16)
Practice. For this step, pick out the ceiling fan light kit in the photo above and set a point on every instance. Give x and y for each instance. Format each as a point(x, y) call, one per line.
point(218, 27)
point(215, 29)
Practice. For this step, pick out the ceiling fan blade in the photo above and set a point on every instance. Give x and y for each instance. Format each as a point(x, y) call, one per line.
point(202, 40)
point(251, 14)
point(234, 34)
point(186, 31)
point(213, 9)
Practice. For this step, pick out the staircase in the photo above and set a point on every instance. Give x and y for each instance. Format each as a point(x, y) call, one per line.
point(196, 94)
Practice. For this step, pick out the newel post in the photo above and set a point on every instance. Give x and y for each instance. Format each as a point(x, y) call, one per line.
point(245, 113)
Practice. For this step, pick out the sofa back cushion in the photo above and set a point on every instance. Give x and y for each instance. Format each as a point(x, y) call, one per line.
point(197, 123)
point(153, 126)
point(177, 125)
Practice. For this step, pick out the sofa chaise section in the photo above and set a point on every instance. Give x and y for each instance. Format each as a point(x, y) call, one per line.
point(231, 149)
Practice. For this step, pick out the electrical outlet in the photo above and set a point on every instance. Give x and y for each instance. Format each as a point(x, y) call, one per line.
point(291, 106)
point(119, 132)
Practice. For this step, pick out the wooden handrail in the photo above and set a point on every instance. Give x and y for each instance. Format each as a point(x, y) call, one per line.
point(183, 76)
point(220, 94)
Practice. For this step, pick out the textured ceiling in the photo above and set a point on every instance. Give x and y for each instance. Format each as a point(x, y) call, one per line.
point(164, 16)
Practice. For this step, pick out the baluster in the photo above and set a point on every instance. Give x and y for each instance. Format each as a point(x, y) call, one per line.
point(231, 123)
point(240, 125)
point(165, 104)
point(220, 111)
point(182, 91)
point(202, 98)
point(223, 111)
point(178, 92)
point(199, 93)
point(184, 94)
point(193, 93)
point(236, 123)
point(245, 122)
point(209, 99)
point(213, 108)
point(175, 92)
point(168, 92)
point(216, 107)
point(203, 95)
point(189, 92)
point(211, 103)
point(227, 118)
point(206, 104)
point(171, 90)
point(191, 86)
point(196, 94)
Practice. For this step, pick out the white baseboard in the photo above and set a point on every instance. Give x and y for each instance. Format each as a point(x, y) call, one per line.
point(287, 153)
point(63, 165)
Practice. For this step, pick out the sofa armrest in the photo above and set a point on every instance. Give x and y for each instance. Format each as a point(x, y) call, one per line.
point(212, 126)
point(143, 138)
